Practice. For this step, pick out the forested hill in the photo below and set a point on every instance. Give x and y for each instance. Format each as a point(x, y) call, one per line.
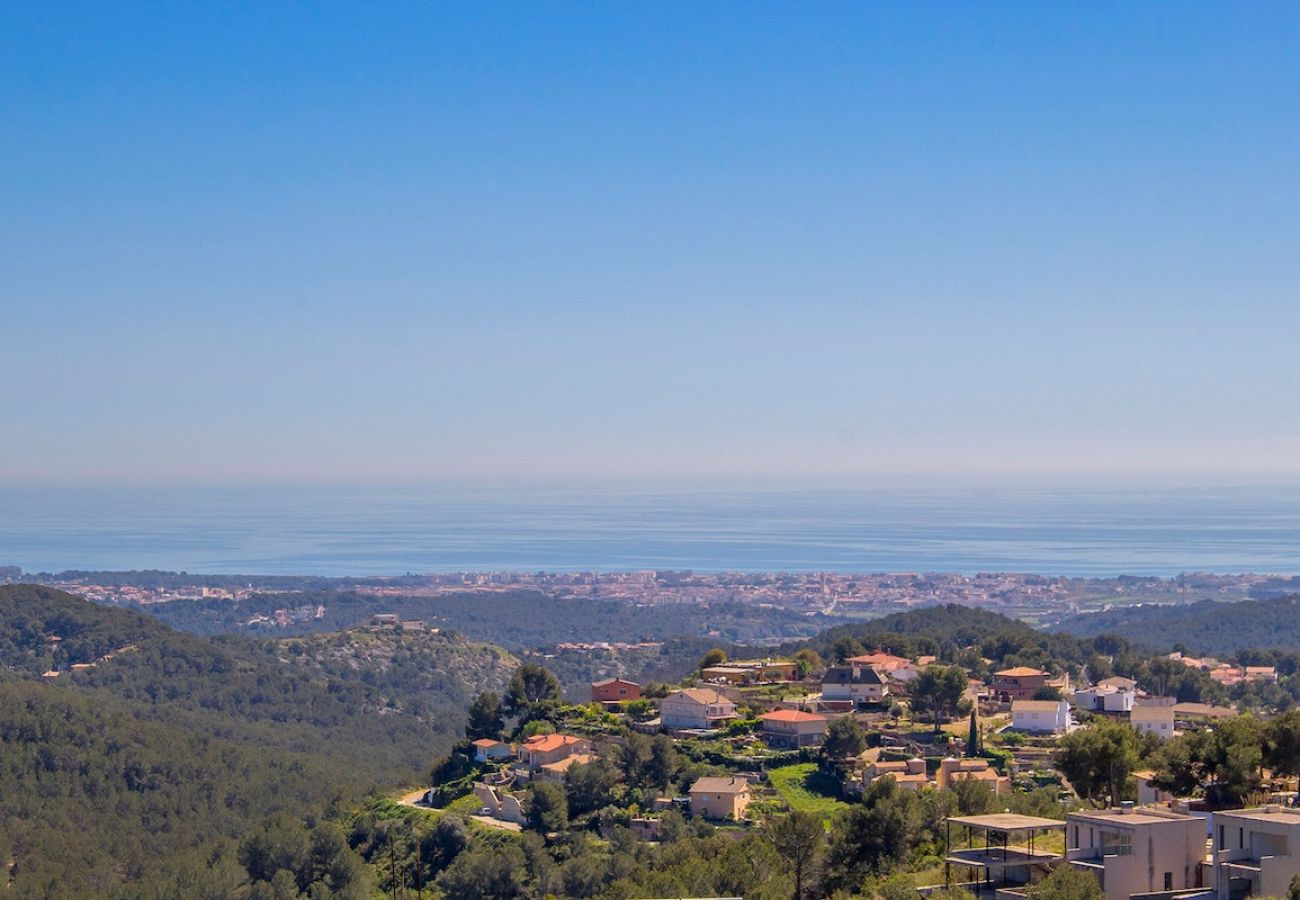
point(160, 757)
point(1204, 627)
point(945, 630)
point(43, 627)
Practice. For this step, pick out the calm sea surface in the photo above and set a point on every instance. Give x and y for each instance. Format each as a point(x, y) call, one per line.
point(392, 531)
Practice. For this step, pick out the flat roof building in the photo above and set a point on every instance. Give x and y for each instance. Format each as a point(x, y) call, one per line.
point(1134, 850)
point(1256, 852)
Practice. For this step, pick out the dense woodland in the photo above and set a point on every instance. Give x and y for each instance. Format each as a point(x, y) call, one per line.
point(165, 755)
point(1205, 627)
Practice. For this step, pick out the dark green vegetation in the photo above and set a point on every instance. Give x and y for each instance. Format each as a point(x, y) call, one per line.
point(944, 631)
point(576, 669)
point(154, 763)
point(1202, 627)
point(1224, 764)
point(513, 619)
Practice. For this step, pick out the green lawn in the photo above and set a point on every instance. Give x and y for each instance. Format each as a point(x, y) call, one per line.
point(806, 788)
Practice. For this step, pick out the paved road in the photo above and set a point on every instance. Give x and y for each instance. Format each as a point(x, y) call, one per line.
point(497, 823)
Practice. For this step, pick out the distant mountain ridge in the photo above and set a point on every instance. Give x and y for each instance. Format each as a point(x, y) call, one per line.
point(1206, 626)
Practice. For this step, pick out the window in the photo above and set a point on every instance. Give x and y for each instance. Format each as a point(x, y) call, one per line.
point(1241, 839)
point(1223, 841)
point(1116, 843)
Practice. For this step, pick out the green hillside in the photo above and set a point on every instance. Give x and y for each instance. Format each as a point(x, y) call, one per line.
point(153, 763)
point(1203, 627)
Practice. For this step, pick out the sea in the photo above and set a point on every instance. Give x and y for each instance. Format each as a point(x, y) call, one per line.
point(1082, 530)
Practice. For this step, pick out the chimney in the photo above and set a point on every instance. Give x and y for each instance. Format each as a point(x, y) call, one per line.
point(1126, 808)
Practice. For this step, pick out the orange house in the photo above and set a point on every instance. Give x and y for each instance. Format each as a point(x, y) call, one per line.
point(1020, 683)
point(614, 690)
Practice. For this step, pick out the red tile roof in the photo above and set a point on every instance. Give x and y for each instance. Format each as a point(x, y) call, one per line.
point(791, 715)
point(544, 743)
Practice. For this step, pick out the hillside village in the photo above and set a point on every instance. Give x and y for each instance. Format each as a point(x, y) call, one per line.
point(1020, 778)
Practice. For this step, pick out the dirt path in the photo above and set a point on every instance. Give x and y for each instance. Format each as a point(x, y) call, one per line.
point(415, 798)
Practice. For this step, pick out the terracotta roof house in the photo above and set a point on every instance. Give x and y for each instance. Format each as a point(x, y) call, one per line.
point(1018, 683)
point(554, 771)
point(792, 728)
point(955, 768)
point(885, 662)
point(614, 690)
point(720, 798)
point(543, 749)
point(908, 774)
point(695, 708)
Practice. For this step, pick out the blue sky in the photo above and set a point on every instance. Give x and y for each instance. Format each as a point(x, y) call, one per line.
point(384, 242)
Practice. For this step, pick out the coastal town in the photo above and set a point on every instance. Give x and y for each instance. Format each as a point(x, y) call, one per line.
point(835, 595)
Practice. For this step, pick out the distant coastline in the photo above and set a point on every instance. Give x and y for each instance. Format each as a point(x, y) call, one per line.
point(1077, 532)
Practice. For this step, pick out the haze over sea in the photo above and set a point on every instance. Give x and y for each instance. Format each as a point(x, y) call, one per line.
point(375, 531)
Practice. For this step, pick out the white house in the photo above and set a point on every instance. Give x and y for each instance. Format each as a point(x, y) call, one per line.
point(1153, 718)
point(858, 683)
point(1040, 716)
point(486, 749)
point(1105, 698)
point(695, 708)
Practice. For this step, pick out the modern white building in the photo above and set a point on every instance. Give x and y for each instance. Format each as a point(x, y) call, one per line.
point(1256, 852)
point(1040, 716)
point(1132, 850)
point(1104, 698)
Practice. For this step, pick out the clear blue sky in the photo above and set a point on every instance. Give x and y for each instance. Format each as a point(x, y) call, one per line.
point(284, 241)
